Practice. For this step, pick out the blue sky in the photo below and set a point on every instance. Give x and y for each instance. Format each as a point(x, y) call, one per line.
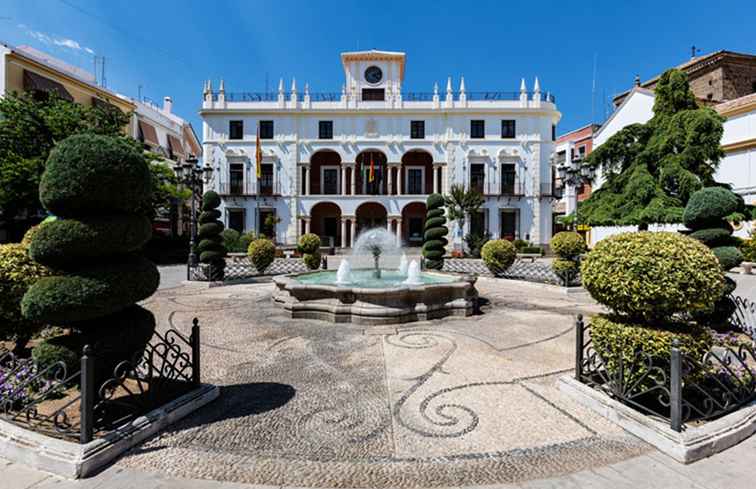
point(170, 47)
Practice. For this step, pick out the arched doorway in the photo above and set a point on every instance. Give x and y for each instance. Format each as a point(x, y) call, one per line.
point(413, 220)
point(370, 215)
point(325, 221)
point(325, 173)
point(417, 173)
point(371, 173)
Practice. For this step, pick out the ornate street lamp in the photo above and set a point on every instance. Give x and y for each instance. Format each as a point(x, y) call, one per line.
point(192, 176)
point(575, 174)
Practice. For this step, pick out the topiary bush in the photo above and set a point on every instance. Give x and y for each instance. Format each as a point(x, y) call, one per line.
point(568, 245)
point(519, 244)
point(98, 187)
point(709, 206)
point(748, 249)
point(261, 253)
point(498, 255)
point(435, 231)
point(17, 273)
point(210, 247)
point(309, 246)
point(652, 276)
point(565, 269)
point(58, 349)
point(230, 239)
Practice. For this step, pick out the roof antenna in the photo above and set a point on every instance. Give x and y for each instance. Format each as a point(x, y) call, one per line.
point(593, 89)
point(693, 51)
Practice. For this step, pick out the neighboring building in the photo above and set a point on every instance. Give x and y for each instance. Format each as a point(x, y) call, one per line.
point(574, 144)
point(338, 163)
point(714, 78)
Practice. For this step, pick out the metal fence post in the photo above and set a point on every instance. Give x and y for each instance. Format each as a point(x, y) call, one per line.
point(195, 340)
point(675, 388)
point(579, 331)
point(87, 395)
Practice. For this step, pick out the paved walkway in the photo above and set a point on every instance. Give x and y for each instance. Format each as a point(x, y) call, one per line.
point(446, 403)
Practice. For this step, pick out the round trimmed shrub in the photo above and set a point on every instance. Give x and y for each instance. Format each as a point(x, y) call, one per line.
point(616, 340)
point(261, 253)
point(72, 241)
point(565, 268)
point(58, 349)
point(713, 237)
point(311, 260)
point(707, 207)
point(435, 231)
point(230, 239)
point(18, 272)
point(748, 249)
point(90, 174)
point(729, 256)
point(520, 244)
point(650, 276)
point(211, 201)
point(309, 243)
point(92, 292)
point(498, 255)
point(568, 245)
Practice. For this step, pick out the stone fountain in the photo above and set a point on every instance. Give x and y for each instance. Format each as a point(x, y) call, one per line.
point(375, 294)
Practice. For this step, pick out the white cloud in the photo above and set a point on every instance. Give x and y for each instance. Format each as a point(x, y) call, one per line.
point(57, 41)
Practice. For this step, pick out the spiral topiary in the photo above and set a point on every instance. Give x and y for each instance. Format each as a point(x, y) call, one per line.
point(309, 246)
point(97, 186)
point(211, 248)
point(498, 255)
point(706, 215)
point(434, 237)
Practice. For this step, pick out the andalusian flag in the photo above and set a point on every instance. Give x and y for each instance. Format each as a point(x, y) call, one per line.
point(371, 177)
point(258, 154)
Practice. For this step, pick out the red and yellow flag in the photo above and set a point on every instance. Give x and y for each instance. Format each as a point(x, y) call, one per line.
point(371, 176)
point(258, 153)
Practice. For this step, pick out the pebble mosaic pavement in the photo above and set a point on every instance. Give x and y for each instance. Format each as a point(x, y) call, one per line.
point(457, 401)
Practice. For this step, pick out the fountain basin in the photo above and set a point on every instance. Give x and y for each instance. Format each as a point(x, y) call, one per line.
point(315, 295)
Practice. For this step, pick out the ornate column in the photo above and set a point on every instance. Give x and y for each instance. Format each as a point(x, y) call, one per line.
point(353, 223)
point(307, 179)
point(435, 178)
point(354, 179)
point(399, 180)
point(399, 232)
point(390, 180)
point(307, 224)
point(342, 171)
point(388, 224)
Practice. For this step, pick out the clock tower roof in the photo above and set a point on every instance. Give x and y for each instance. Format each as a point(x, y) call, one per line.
point(375, 55)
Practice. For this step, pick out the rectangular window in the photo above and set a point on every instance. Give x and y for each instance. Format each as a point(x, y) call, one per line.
point(415, 181)
point(415, 229)
point(581, 152)
point(330, 180)
point(508, 222)
point(477, 129)
point(236, 219)
point(508, 175)
point(417, 129)
point(236, 179)
point(478, 223)
point(266, 129)
point(236, 130)
point(266, 179)
point(325, 130)
point(373, 94)
point(507, 129)
point(553, 132)
point(477, 177)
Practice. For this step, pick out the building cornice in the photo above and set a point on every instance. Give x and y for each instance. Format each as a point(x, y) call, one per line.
point(739, 146)
point(390, 112)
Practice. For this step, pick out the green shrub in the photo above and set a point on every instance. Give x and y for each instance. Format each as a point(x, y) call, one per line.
point(230, 239)
point(616, 340)
point(211, 244)
point(708, 206)
point(748, 249)
point(531, 250)
point(58, 349)
point(89, 174)
point(311, 260)
point(309, 243)
point(652, 275)
point(568, 245)
point(520, 244)
point(713, 237)
point(498, 255)
point(245, 240)
point(435, 231)
point(210, 201)
point(261, 253)
point(729, 257)
point(18, 272)
point(474, 243)
point(98, 290)
point(564, 269)
point(73, 241)
point(30, 234)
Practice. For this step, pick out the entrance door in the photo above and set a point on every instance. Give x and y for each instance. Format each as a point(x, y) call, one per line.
point(267, 224)
point(509, 225)
point(330, 228)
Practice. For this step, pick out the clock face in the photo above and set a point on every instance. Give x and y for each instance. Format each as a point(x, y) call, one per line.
point(373, 75)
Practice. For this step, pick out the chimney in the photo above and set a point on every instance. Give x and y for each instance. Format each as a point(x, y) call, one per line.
point(636, 82)
point(167, 105)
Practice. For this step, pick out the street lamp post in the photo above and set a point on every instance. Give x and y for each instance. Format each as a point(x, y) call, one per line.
point(574, 174)
point(192, 176)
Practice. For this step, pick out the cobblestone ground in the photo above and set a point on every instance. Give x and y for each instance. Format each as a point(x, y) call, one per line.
point(439, 403)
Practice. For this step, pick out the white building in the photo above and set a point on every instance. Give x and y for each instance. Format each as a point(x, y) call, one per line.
point(318, 150)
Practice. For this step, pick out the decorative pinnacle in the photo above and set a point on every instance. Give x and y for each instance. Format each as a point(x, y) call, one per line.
point(280, 85)
point(293, 85)
point(435, 88)
point(222, 86)
point(537, 85)
point(448, 85)
point(462, 84)
point(523, 88)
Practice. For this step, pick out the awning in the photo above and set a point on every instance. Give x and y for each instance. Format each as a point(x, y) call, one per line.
point(36, 82)
point(149, 135)
point(175, 144)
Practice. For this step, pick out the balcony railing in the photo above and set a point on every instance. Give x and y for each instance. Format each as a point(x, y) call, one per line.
point(236, 188)
point(492, 95)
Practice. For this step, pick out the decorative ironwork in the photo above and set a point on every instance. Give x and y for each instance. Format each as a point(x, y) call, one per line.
point(491, 95)
point(677, 388)
point(92, 401)
point(239, 267)
point(744, 316)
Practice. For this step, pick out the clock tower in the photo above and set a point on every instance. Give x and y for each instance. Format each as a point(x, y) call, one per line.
point(373, 75)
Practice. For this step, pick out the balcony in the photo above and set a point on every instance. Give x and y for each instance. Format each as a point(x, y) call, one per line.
point(236, 188)
point(489, 95)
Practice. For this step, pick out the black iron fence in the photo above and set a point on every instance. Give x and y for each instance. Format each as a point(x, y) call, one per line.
point(98, 397)
point(239, 268)
point(677, 387)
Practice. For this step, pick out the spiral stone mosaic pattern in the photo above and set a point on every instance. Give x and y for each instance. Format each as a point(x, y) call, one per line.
point(439, 403)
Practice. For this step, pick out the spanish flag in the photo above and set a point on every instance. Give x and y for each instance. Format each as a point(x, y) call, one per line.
point(371, 176)
point(258, 154)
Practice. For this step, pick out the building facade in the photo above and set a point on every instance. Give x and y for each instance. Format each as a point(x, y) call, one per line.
point(337, 163)
point(569, 146)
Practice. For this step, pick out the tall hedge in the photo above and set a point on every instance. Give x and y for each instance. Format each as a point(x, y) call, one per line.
point(211, 248)
point(706, 216)
point(434, 237)
point(96, 185)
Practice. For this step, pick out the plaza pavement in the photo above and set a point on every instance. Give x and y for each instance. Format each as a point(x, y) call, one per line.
point(445, 403)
